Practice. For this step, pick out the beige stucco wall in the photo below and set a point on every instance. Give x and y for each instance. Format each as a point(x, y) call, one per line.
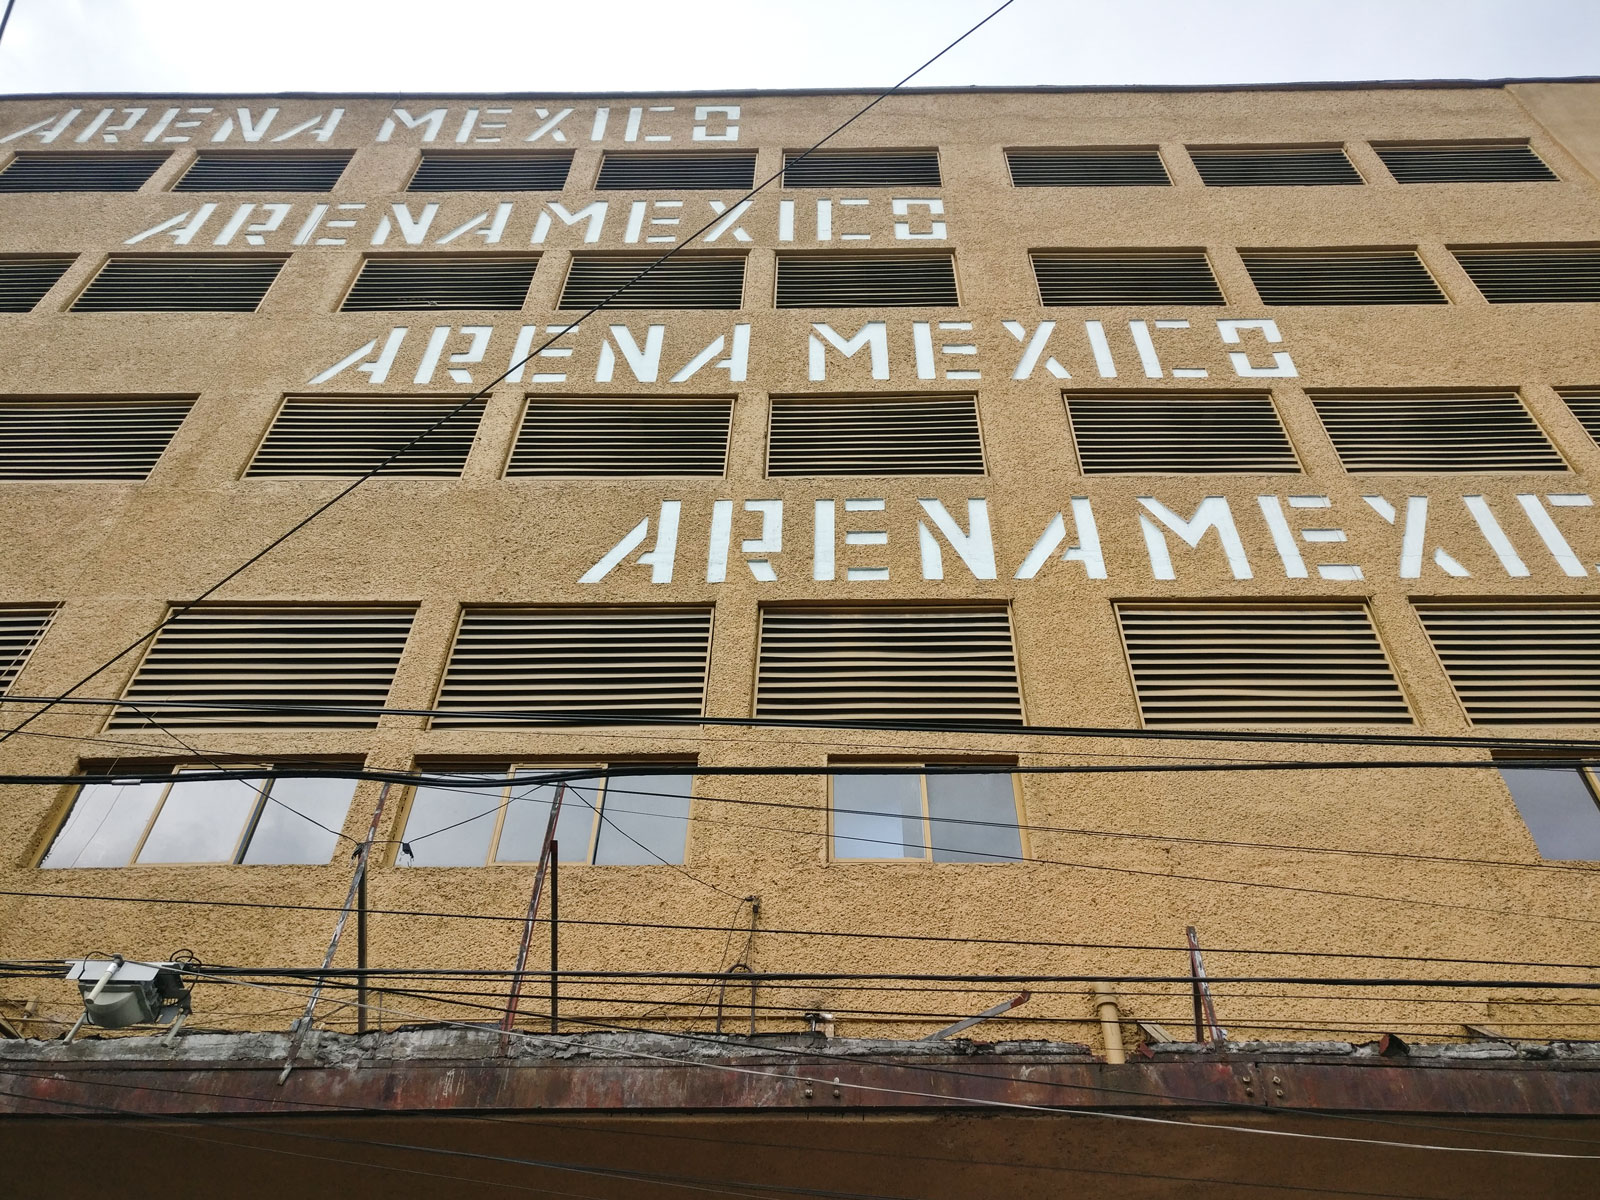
point(117, 554)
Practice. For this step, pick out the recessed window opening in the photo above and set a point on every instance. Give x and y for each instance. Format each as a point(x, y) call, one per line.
point(932, 816)
point(172, 820)
point(631, 820)
point(1559, 807)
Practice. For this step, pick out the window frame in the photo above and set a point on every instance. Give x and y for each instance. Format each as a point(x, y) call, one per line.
point(510, 770)
point(1009, 769)
point(241, 845)
point(1589, 777)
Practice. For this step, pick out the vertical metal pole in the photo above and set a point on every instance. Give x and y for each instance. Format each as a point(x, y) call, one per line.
point(1206, 1028)
point(555, 930)
point(361, 955)
point(518, 972)
point(302, 1027)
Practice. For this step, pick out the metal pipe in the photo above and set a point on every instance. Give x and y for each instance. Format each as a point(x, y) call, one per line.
point(361, 955)
point(1105, 1003)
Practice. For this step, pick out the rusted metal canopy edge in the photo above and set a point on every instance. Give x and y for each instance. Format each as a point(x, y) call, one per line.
point(973, 1082)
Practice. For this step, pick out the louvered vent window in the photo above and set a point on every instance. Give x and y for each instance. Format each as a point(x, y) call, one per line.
point(21, 627)
point(901, 664)
point(342, 436)
point(1466, 431)
point(491, 173)
point(683, 281)
point(422, 282)
point(1103, 277)
point(24, 281)
point(866, 281)
point(1341, 277)
point(655, 172)
point(612, 438)
point(255, 658)
point(180, 283)
point(1466, 162)
point(861, 168)
point(79, 172)
point(1535, 274)
point(1087, 168)
point(1271, 167)
point(631, 663)
point(890, 435)
point(1125, 433)
point(1258, 665)
point(100, 438)
point(1517, 664)
point(263, 173)
point(1585, 405)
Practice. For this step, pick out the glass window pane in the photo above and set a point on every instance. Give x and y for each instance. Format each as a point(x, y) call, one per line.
point(1559, 810)
point(202, 821)
point(645, 820)
point(973, 818)
point(288, 829)
point(105, 824)
point(522, 836)
point(451, 827)
point(877, 816)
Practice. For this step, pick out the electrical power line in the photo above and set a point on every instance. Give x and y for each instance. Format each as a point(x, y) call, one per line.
point(178, 610)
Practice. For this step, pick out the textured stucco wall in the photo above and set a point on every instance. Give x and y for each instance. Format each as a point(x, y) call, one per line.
point(117, 554)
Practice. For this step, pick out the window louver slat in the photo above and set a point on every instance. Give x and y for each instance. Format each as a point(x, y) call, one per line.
point(680, 282)
point(636, 663)
point(1585, 405)
point(1536, 275)
point(866, 281)
point(491, 173)
point(1129, 433)
point(1087, 168)
point(21, 627)
point(110, 438)
point(418, 284)
point(1464, 163)
point(1312, 166)
point(1520, 663)
point(1396, 431)
point(862, 168)
point(84, 171)
point(1257, 665)
point(179, 283)
point(876, 436)
point(1125, 277)
point(1341, 277)
point(249, 655)
point(647, 172)
point(919, 664)
point(263, 173)
point(24, 281)
point(338, 437)
point(612, 438)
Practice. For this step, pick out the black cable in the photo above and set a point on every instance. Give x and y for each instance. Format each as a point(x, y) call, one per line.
point(600, 719)
point(5, 18)
point(495, 784)
point(872, 935)
point(179, 610)
point(1009, 1165)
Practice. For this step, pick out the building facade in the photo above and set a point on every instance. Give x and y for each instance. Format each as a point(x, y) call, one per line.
point(917, 579)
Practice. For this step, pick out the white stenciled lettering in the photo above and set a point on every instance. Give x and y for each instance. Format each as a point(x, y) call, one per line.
point(659, 559)
point(594, 215)
point(1414, 538)
point(975, 546)
point(703, 114)
point(874, 336)
point(1282, 364)
point(429, 122)
point(644, 361)
point(1034, 349)
point(935, 232)
point(1212, 513)
point(1085, 550)
point(181, 228)
point(377, 370)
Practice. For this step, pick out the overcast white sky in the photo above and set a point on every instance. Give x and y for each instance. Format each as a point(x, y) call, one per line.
point(621, 45)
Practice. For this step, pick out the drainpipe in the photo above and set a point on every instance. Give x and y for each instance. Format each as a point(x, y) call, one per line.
point(1105, 1003)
